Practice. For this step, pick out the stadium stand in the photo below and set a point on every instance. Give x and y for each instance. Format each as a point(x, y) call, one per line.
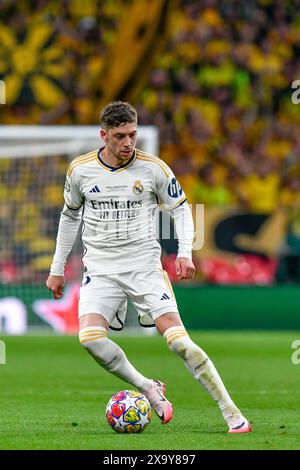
point(216, 82)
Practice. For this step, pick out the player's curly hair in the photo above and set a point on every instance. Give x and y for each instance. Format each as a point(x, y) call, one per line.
point(117, 113)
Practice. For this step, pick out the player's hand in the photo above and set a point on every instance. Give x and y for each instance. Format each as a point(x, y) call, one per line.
point(185, 268)
point(56, 284)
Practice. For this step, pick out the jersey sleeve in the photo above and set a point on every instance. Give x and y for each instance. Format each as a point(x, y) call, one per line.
point(72, 195)
point(168, 189)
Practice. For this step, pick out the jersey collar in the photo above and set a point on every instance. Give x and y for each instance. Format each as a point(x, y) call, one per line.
point(115, 168)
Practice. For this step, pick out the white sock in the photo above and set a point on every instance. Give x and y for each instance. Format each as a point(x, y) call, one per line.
point(111, 357)
point(201, 367)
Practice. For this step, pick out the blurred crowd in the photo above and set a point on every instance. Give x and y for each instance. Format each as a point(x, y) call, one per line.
point(218, 87)
point(30, 205)
point(221, 96)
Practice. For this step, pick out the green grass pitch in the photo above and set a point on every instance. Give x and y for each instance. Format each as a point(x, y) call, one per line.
point(53, 394)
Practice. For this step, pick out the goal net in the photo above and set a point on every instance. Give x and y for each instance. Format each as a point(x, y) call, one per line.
point(33, 165)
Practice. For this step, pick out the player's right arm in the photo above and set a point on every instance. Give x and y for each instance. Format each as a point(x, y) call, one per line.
point(56, 284)
point(69, 223)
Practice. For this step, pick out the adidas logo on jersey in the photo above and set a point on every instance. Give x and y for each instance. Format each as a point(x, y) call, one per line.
point(95, 189)
point(165, 297)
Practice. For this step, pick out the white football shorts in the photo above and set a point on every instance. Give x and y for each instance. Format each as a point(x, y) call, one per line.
point(150, 292)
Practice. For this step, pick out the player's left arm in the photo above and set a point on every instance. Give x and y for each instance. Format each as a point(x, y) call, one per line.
point(174, 200)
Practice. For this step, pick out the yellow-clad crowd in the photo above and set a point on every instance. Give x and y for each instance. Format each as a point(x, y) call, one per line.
point(214, 76)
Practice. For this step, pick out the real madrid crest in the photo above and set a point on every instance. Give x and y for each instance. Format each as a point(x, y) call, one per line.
point(137, 188)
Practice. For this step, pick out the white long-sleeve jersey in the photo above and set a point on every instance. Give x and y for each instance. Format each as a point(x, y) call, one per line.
point(118, 208)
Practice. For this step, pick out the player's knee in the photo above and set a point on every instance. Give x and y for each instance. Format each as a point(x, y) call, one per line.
point(180, 342)
point(91, 335)
point(177, 339)
point(107, 353)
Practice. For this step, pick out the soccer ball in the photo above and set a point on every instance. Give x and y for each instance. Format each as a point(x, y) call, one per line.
point(128, 411)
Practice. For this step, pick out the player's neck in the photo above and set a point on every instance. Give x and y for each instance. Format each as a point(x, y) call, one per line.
point(113, 160)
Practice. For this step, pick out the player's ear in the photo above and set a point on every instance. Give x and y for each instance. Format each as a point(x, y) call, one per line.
point(103, 135)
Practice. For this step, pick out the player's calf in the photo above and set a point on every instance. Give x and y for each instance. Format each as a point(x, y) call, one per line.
point(204, 371)
point(105, 352)
point(111, 357)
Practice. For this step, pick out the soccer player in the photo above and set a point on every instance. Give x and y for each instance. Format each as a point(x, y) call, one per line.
point(114, 191)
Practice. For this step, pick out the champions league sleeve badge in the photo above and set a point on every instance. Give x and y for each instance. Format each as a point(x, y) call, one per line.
point(67, 185)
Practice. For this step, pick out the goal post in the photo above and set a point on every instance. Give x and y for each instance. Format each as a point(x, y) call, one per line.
point(33, 164)
point(36, 141)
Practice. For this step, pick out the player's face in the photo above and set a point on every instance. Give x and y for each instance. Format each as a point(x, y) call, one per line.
point(120, 141)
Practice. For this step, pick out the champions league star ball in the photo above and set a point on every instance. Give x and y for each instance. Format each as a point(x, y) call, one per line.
point(128, 411)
